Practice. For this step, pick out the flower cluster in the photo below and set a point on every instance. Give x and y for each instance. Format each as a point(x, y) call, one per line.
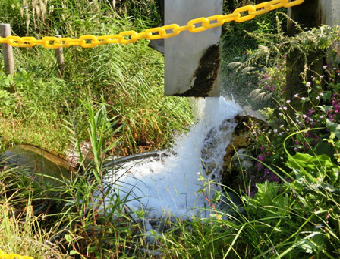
point(302, 129)
point(334, 112)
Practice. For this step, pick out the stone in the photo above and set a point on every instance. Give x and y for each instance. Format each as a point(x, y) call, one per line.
point(248, 70)
point(237, 159)
point(234, 65)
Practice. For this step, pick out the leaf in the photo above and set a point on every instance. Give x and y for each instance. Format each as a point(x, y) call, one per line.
point(308, 246)
point(325, 108)
point(68, 238)
point(333, 128)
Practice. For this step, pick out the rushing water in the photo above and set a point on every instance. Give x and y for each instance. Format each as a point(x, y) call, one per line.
point(169, 186)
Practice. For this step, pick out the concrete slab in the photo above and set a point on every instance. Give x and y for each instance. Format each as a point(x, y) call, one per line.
point(192, 60)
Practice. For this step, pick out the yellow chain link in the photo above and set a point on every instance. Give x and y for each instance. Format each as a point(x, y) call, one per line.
point(242, 14)
point(13, 256)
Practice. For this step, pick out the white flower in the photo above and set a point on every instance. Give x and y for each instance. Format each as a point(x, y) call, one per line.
point(308, 84)
point(288, 101)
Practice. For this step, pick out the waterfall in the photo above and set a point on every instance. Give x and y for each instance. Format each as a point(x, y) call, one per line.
point(169, 185)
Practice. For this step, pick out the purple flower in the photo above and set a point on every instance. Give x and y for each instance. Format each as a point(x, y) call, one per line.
point(260, 157)
point(259, 166)
point(310, 112)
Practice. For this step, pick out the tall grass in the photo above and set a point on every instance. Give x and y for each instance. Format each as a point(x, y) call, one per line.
point(21, 232)
point(129, 78)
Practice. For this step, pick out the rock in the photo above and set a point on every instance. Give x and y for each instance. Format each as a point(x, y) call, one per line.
point(214, 144)
point(234, 65)
point(236, 159)
point(248, 111)
point(247, 70)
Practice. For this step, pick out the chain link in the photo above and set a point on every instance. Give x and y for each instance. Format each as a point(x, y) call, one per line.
point(242, 14)
point(13, 256)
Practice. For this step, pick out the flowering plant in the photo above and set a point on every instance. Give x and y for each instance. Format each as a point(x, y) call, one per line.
point(306, 124)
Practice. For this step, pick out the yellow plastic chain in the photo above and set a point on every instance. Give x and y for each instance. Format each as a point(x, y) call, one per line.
point(13, 256)
point(242, 14)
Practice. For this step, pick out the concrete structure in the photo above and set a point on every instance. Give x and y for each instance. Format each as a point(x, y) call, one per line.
point(192, 60)
point(325, 12)
point(330, 10)
point(310, 14)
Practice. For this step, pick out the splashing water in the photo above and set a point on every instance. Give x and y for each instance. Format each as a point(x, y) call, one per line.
point(170, 184)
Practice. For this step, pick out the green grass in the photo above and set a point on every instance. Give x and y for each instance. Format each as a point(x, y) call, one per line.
point(129, 78)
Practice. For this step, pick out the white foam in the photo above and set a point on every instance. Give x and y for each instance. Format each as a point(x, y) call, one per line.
point(170, 186)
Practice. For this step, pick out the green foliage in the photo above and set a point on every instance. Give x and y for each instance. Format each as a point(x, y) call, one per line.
point(314, 169)
point(295, 182)
point(73, 18)
point(129, 78)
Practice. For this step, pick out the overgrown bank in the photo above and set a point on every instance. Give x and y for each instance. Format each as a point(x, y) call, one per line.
point(36, 102)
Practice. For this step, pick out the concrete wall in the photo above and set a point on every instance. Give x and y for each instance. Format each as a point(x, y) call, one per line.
point(330, 12)
point(192, 60)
